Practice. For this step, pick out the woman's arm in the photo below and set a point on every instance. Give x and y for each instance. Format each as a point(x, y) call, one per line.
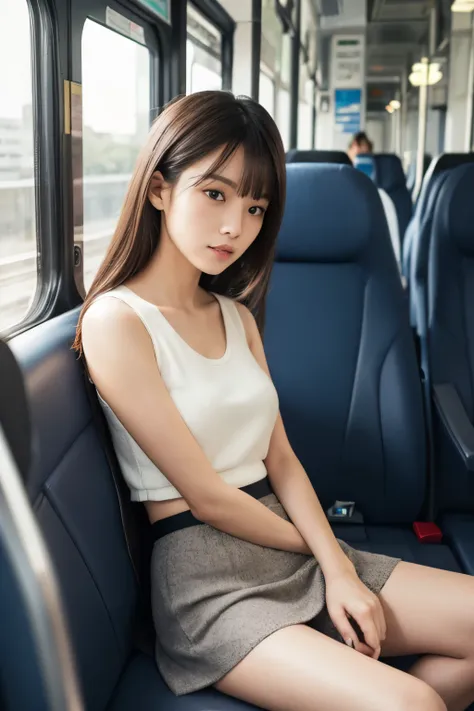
point(121, 361)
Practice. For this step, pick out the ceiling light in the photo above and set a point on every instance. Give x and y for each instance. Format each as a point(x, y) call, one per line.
point(424, 74)
point(462, 6)
point(395, 104)
point(389, 108)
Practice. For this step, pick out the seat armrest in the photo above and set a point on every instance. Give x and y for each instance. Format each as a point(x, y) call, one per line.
point(455, 420)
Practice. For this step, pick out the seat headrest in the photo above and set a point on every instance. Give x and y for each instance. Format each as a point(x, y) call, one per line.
point(440, 164)
point(457, 200)
point(329, 214)
point(295, 156)
point(390, 175)
point(366, 164)
point(447, 161)
point(14, 412)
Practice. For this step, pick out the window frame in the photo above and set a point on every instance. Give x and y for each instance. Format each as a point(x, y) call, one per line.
point(158, 39)
point(220, 18)
point(46, 172)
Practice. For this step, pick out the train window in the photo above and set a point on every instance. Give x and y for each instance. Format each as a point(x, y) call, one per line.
point(116, 118)
point(203, 53)
point(267, 92)
point(19, 264)
point(275, 71)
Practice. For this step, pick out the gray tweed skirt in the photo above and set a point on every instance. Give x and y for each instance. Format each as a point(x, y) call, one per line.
point(215, 597)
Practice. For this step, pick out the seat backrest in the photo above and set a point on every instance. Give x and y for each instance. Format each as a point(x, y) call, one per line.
point(366, 164)
point(36, 663)
point(339, 346)
point(296, 156)
point(451, 321)
point(408, 247)
point(411, 172)
point(72, 490)
point(22, 683)
point(420, 233)
point(445, 161)
point(391, 178)
point(415, 256)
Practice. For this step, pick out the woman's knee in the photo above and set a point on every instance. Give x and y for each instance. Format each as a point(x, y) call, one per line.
point(415, 695)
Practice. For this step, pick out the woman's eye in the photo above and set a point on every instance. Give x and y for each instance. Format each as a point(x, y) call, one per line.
point(257, 210)
point(214, 194)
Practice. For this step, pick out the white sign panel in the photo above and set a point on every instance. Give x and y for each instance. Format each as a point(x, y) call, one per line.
point(348, 61)
point(126, 27)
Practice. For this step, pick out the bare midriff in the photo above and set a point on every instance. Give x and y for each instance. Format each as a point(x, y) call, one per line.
point(158, 510)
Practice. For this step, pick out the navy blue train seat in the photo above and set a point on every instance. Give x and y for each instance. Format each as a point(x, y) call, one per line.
point(365, 162)
point(340, 351)
point(441, 163)
point(73, 492)
point(417, 241)
point(416, 254)
point(451, 356)
point(391, 178)
point(313, 156)
point(26, 639)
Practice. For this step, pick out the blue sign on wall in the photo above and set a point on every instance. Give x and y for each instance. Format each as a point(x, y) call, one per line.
point(347, 109)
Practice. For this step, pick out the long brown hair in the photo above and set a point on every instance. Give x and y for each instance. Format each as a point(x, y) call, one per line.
point(188, 129)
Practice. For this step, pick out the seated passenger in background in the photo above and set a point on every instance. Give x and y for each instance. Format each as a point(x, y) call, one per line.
point(360, 143)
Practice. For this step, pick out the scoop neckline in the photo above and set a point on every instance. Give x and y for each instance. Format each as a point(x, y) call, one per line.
point(212, 361)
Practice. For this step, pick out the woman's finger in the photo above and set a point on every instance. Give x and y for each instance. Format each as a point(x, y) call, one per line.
point(365, 618)
point(349, 635)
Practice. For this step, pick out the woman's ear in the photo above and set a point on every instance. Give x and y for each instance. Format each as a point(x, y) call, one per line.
point(157, 186)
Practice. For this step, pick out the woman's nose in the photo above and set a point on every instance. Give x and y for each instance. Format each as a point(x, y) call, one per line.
point(232, 224)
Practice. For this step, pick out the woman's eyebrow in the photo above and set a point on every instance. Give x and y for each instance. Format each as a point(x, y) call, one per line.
point(222, 179)
point(231, 183)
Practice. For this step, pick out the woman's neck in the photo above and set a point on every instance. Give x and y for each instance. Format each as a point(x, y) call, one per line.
point(169, 279)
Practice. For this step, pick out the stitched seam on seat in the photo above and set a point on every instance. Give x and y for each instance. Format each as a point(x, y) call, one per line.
point(62, 456)
point(356, 370)
point(468, 348)
point(44, 494)
point(61, 519)
point(51, 502)
point(382, 364)
point(66, 450)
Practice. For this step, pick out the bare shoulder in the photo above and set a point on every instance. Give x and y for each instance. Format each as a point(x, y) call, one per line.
point(248, 319)
point(107, 323)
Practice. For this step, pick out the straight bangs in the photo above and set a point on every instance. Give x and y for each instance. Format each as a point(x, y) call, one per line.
point(259, 175)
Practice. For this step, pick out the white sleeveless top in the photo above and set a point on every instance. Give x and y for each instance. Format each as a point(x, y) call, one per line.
point(229, 403)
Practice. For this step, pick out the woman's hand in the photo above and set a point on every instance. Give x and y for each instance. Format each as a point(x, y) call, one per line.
point(347, 597)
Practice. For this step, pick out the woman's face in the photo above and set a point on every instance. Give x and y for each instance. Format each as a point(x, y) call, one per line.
point(209, 223)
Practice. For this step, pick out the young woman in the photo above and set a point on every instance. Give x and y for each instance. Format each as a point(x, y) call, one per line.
point(251, 591)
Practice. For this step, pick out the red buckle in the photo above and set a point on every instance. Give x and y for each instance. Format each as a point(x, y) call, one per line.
point(427, 532)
